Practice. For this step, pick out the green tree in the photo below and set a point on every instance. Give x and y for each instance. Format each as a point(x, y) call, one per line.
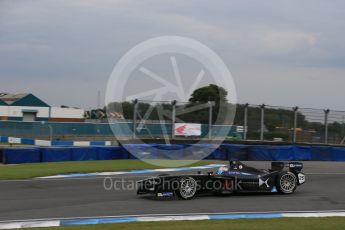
point(209, 93)
point(205, 94)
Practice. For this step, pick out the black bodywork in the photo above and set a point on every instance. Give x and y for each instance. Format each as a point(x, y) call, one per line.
point(237, 177)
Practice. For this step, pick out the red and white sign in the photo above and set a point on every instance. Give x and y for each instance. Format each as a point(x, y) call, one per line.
point(187, 129)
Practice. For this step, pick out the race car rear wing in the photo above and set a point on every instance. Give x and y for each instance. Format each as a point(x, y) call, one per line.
point(292, 166)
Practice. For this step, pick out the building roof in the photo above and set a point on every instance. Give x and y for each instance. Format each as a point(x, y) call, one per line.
point(22, 99)
point(11, 98)
point(2, 102)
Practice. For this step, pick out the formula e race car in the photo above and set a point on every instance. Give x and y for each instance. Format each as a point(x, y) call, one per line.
point(283, 177)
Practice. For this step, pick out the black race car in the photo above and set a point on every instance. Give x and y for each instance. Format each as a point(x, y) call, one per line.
point(283, 177)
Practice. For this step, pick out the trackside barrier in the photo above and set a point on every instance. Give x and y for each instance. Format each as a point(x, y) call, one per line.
point(338, 154)
point(208, 151)
point(54, 154)
point(2, 160)
point(3, 139)
point(270, 153)
point(18, 155)
point(177, 150)
point(142, 151)
point(84, 154)
point(27, 141)
point(21, 155)
point(235, 151)
point(321, 153)
point(112, 153)
point(302, 153)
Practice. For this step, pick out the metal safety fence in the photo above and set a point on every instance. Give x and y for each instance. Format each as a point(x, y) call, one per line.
point(291, 124)
point(157, 120)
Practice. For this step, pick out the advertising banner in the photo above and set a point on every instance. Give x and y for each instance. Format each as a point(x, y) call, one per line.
point(187, 129)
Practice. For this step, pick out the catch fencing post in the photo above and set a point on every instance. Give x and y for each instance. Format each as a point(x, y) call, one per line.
point(211, 103)
point(135, 102)
point(295, 111)
point(50, 130)
point(326, 125)
point(245, 121)
point(173, 118)
point(262, 122)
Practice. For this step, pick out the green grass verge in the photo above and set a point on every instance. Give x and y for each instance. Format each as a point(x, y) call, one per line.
point(25, 171)
point(326, 223)
point(8, 144)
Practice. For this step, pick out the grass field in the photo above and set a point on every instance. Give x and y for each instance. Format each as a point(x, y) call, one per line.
point(326, 223)
point(7, 144)
point(25, 171)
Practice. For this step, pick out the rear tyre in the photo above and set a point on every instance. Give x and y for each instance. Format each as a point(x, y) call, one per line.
point(286, 182)
point(187, 188)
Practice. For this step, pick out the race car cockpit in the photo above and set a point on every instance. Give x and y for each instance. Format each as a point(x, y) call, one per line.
point(237, 167)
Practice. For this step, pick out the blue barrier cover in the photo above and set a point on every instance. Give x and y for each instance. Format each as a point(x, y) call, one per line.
point(111, 153)
point(209, 152)
point(2, 159)
point(172, 151)
point(321, 153)
point(283, 153)
point(84, 154)
point(338, 154)
point(302, 153)
point(142, 151)
point(235, 151)
point(260, 153)
point(220, 153)
point(22, 155)
point(55, 154)
point(272, 153)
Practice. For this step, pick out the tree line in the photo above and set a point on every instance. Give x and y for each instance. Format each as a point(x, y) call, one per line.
point(278, 121)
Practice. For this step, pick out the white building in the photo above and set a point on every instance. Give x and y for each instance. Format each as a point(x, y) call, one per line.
point(27, 107)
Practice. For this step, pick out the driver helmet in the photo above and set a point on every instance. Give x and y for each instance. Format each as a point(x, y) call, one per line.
point(221, 170)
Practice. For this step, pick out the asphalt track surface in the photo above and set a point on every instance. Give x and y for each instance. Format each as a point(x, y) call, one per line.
point(86, 197)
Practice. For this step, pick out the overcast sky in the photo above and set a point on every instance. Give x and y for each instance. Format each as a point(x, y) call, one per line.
point(279, 52)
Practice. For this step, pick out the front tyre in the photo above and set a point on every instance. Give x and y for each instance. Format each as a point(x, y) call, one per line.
point(187, 188)
point(286, 182)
